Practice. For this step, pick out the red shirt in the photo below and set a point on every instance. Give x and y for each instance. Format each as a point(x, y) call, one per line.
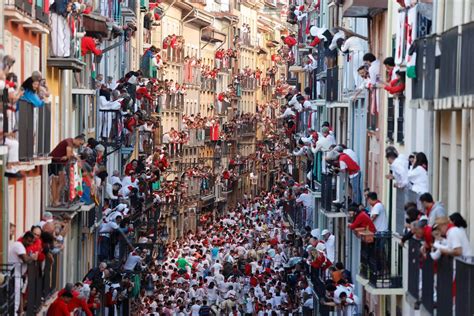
point(290, 41)
point(396, 86)
point(61, 149)
point(88, 45)
point(76, 302)
point(35, 247)
point(58, 308)
point(352, 166)
point(363, 220)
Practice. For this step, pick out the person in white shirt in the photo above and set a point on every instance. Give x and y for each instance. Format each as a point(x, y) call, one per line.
point(398, 166)
point(287, 113)
point(18, 257)
point(133, 259)
point(306, 199)
point(456, 238)
point(374, 68)
point(377, 212)
point(418, 174)
point(195, 308)
point(330, 242)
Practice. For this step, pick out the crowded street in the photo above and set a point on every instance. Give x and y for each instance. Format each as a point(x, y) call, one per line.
point(236, 157)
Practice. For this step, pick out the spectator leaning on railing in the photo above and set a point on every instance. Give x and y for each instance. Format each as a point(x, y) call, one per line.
point(61, 155)
point(18, 256)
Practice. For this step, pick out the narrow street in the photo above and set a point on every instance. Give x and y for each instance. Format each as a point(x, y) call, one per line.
point(236, 157)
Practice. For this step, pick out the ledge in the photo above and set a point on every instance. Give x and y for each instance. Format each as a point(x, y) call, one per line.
point(384, 291)
point(363, 281)
point(65, 63)
point(333, 214)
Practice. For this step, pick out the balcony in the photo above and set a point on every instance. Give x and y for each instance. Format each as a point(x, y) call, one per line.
point(363, 8)
point(380, 265)
point(403, 196)
point(192, 74)
point(42, 283)
point(439, 299)
point(95, 24)
point(208, 84)
point(34, 132)
point(455, 68)
point(64, 188)
point(7, 291)
point(27, 14)
point(196, 138)
point(110, 126)
point(246, 129)
point(212, 36)
point(146, 142)
point(174, 102)
point(173, 55)
point(248, 84)
point(424, 85)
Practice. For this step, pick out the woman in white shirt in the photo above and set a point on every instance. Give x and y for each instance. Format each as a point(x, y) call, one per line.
point(418, 174)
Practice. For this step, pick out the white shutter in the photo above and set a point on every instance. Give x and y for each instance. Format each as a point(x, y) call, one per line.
point(20, 207)
point(11, 207)
point(28, 51)
point(16, 47)
point(7, 42)
point(30, 205)
point(37, 203)
point(36, 59)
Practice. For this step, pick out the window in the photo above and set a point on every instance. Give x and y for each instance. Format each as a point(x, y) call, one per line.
point(401, 121)
point(390, 119)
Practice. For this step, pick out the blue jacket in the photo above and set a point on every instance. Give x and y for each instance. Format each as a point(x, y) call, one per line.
point(31, 97)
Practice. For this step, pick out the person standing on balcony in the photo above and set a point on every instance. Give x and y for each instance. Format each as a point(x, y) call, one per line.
point(306, 199)
point(360, 219)
point(374, 69)
point(418, 174)
point(19, 258)
point(431, 208)
point(456, 238)
point(61, 155)
point(377, 212)
point(398, 167)
point(344, 163)
point(330, 242)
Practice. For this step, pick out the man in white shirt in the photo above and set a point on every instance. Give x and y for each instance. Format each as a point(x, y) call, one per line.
point(18, 257)
point(374, 68)
point(377, 212)
point(307, 199)
point(330, 242)
point(398, 166)
point(133, 259)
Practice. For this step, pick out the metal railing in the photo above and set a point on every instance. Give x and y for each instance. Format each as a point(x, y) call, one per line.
point(328, 191)
point(208, 84)
point(146, 143)
point(377, 263)
point(246, 129)
point(192, 74)
point(42, 283)
point(403, 197)
point(248, 83)
point(63, 186)
point(454, 278)
point(34, 132)
point(332, 84)
point(7, 290)
point(110, 126)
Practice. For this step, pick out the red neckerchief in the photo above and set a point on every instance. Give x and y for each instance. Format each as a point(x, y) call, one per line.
point(428, 210)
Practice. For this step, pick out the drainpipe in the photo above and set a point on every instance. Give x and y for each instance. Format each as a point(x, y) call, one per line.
point(464, 161)
point(5, 219)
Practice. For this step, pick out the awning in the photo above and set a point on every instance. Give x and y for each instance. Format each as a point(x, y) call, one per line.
point(95, 24)
point(363, 8)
